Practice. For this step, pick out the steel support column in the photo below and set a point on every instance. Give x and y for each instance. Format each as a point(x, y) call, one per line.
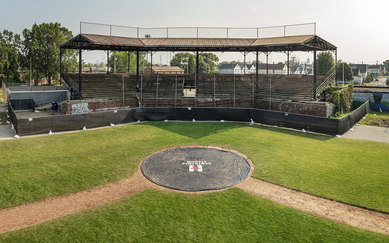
point(151, 62)
point(314, 75)
point(79, 72)
point(256, 70)
point(336, 66)
point(197, 70)
point(267, 62)
point(128, 62)
point(137, 68)
point(287, 62)
point(107, 61)
point(244, 62)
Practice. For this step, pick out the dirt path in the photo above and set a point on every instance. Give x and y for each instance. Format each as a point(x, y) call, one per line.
point(35, 213)
point(343, 213)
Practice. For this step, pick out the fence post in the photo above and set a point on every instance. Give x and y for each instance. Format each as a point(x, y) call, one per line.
point(141, 91)
point(214, 90)
point(123, 90)
point(175, 93)
point(253, 92)
point(234, 91)
point(156, 96)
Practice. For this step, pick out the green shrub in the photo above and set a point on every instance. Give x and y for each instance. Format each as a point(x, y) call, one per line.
point(341, 97)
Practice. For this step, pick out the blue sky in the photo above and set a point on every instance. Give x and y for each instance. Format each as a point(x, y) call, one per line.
point(358, 28)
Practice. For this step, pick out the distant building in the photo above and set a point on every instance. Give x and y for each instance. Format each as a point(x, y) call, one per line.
point(164, 70)
point(228, 68)
point(362, 69)
point(376, 70)
point(357, 78)
point(278, 68)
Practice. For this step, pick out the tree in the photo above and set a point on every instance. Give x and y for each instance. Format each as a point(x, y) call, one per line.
point(122, 61)
point(41, 50)
point(187, 61)
point(9, 55)
point(348, 72)
point(325, 62)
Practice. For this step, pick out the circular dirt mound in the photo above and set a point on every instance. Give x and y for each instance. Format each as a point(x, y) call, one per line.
point(196, 168)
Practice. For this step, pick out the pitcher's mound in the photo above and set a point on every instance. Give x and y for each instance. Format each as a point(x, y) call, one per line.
point(196, 168)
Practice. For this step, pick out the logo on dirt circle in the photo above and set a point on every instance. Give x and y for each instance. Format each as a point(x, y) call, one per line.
point(196, 165)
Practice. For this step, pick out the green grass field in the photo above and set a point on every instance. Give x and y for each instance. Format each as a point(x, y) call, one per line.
point(350, 171)
point(157, 216)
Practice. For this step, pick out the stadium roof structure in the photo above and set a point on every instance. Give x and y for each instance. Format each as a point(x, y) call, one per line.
point(272, 44)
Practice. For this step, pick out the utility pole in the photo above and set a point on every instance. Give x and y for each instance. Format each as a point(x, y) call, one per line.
point(343, 74)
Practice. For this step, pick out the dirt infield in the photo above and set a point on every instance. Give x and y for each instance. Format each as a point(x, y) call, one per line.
point(340, 212)
point(35, 213)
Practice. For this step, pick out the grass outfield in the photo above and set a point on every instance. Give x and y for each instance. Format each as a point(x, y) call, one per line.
point(351, 171)
point(158, 216)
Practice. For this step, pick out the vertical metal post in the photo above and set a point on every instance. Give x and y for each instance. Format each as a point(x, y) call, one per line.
point(257, 32)
point(151, 62)
point(110, 29)
point(141, 91)
point(214, 90)
point(314, 75)
point(270, 93)
point(336, 66)
point(314, 31)
point(197, 70)
point(284, 30)
point(267, 62)
point(197, 30)
point(175, 93)
point(227, 33)
point(234, 91)
point(137, 68)
point(79, 71)
point(253, 92)
point(128, 61)
point(287, 62)
point(123, 89)
point(107, 61)
point(244, 62)
point(80, 27)
point(167, 32)
point(256, 70)
point(156, 94)
point(137, 32)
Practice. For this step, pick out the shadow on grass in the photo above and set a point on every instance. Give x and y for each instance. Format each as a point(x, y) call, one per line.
point(198, 130)
point(195, 130)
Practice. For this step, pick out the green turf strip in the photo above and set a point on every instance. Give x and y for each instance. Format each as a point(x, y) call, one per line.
point(351, 171)
point(157, 216)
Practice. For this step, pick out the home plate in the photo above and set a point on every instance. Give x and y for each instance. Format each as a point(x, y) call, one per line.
point(196, 168)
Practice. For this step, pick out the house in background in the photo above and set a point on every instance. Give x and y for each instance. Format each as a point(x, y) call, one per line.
point(230, 69)
point(278, 68)
point(376, 70)
point(362, 69)
point(164, 70)
point(357, 77)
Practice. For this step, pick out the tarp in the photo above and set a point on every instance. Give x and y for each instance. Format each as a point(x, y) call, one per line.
point(196, 168)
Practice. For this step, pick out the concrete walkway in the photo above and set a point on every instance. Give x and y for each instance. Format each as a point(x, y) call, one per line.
point(371, 133)
point(5, 128)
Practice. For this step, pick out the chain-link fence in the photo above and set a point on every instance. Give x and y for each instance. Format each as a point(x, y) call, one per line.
point(198, 32)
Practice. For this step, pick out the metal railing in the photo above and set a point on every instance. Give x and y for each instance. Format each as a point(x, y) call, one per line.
point(198, 32)
point(329, 78)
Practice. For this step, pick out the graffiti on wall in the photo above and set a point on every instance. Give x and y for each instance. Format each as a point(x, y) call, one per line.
point(80, 108)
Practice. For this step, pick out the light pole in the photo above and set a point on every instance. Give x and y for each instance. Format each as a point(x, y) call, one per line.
point(343, 74)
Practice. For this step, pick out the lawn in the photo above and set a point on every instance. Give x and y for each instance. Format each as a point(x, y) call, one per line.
point(375, 118)
point(158, 216)
point(351, 171)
